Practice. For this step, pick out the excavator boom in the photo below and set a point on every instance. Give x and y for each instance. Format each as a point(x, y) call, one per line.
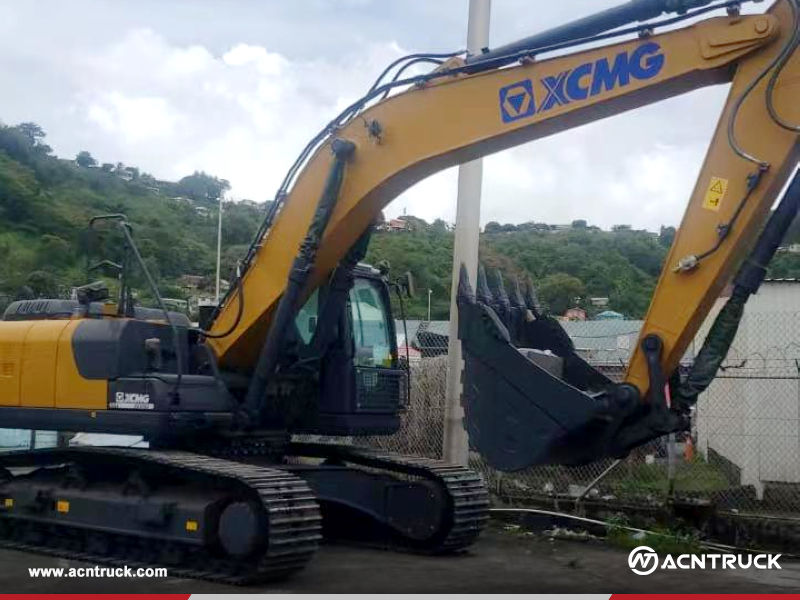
point(470, 108)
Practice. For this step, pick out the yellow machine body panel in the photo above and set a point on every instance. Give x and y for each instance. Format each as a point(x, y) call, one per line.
point(39, 363)
point(38, 369)
point(73, 390)
point(12, 346)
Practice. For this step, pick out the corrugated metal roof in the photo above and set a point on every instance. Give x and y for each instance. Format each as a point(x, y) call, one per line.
point(604, 342)
point(608, 342)
point(435, 327)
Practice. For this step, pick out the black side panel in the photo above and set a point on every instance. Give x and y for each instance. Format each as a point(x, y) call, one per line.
point(198, 393)
point(359, 505)
point(151, 424)
point(95, 346)
point(111, 348)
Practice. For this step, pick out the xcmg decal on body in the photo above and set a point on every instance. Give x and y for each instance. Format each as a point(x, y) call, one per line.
point(526, 98)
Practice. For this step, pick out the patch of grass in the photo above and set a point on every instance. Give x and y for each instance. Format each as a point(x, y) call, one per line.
point(662, 540)
point(697, 476)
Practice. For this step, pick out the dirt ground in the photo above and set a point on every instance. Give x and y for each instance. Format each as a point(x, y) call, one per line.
point(500, 562)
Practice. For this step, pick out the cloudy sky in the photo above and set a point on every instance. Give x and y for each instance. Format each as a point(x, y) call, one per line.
point(236, 87)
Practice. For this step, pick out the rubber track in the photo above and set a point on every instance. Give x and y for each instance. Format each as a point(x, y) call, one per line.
point(293, 514)
point(468, 496)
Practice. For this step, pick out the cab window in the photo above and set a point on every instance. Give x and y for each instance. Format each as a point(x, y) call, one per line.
point(370, 327)
point(307, 317)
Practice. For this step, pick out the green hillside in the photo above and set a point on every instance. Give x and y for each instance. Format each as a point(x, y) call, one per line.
point(585, 262)
point(622, 266)
point(45, 204)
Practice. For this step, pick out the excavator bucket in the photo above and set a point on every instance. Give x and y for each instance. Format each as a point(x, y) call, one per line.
point(536, 401)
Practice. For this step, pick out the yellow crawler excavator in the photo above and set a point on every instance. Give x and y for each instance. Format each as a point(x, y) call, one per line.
point(305, 340)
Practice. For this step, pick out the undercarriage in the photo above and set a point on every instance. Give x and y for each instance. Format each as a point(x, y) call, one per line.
point(238, 519)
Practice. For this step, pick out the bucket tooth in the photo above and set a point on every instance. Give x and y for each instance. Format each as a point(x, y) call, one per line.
point(465, 292)
point(532, 299)
point(517, 299)
point(483, 293)
point(502, 304)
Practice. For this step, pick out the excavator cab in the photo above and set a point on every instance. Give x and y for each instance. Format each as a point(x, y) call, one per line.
point(362, 387)
point(528, 397)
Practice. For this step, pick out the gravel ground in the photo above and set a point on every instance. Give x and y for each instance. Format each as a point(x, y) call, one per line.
point(500, 562)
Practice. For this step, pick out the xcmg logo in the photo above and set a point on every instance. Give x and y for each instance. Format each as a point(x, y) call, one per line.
point(519, 100)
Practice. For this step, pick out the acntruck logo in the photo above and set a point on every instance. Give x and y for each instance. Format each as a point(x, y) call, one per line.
point(644, 561)
point(644, 557)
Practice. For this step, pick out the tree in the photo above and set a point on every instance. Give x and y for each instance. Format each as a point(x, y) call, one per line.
point(559, 291)
point(43, 284)
point(53, 252)
point(18, 191)
point(202, 187)
point(509, 228)
point(85, 160)
point(107, 167)
point(493, 227)
point(666, 236)
point(33, 132)
point(440, 226)
point(579, 224)
point(620, 228)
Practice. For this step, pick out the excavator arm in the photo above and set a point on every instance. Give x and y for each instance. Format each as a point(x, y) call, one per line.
point(470, 108)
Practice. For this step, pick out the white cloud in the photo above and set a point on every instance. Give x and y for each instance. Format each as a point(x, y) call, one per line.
point(242, 115)
point(136, 120)
point(239, 92)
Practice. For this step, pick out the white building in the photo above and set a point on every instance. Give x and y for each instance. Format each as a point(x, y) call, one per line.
point(749, 415)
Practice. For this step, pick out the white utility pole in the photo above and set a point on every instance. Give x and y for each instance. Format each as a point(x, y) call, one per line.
point(468, 216)
point(219, 245)
point(430, 291)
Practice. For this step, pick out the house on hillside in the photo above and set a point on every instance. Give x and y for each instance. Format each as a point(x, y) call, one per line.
point(791, 249)
point(610, 315)
point(575, 314)
point(194, 282)
point(395, 225)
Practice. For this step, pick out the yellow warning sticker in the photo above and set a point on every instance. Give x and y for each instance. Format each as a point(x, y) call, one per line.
point(715, 194)
point(62, 506)
point(192, 525)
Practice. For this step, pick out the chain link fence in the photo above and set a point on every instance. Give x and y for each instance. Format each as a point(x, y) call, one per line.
point(743, 453)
